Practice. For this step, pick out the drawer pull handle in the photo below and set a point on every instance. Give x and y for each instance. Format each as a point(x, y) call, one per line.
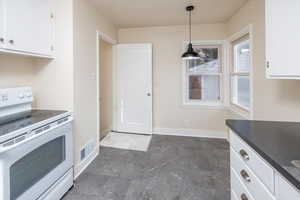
point(244, 197)
point(245, 176)
point(244, 155)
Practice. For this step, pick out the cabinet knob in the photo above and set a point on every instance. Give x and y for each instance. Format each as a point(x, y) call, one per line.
point(2, 40)
point(245, 176)
point(244, 197)
point(11, 41)
point(244, 155)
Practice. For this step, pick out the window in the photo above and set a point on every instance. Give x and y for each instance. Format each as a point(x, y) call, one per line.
point(240, 73)
point(202, 81)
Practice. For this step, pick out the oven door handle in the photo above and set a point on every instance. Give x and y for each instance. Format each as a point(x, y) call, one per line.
point(32, 135)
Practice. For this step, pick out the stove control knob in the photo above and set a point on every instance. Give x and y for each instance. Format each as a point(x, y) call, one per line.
point(21, 96)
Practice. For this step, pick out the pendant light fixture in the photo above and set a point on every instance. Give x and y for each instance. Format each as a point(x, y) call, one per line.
point(190, 54)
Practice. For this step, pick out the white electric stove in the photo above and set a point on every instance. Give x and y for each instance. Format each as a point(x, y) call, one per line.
point(36, 149)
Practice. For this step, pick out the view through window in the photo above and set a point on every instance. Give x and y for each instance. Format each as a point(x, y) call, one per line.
point(203, 79)
point(240, 75)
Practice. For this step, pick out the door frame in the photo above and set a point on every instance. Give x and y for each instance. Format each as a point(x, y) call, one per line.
point(102, 36)
point(115, 82)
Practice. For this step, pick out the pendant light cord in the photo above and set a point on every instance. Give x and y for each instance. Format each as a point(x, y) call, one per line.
point(190, 54)
point(190, 13)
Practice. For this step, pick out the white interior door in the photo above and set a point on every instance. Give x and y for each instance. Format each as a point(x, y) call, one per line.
point(134, 88)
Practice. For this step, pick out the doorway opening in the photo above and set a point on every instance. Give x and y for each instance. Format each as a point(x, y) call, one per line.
point(125, 94)
point(105, 46)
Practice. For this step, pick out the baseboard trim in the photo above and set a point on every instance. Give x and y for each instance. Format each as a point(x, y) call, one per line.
point(86, 162)
point(104, 132)
point(191, 133)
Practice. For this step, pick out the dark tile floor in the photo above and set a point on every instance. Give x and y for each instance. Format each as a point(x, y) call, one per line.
point(174, 168)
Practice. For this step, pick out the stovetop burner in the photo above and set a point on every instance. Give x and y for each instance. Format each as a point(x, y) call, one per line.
point(22, 120)
point(14, 117)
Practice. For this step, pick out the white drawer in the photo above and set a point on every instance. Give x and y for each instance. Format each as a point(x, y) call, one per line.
point(257, 189)
point(238, 189)
point(262, 170)
point(284, 190)
point(233, 196)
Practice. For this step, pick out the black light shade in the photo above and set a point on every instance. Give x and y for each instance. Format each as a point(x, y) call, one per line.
point(190, 54)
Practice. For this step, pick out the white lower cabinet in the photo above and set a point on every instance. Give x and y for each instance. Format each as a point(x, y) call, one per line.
point(239, 190)
point(253, 178)
point(284, 190)
point(253, 161)
point(257, 189)
point(234, 196)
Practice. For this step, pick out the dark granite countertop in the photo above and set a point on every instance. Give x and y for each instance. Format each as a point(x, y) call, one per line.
point(22, 120)
point(277, 142)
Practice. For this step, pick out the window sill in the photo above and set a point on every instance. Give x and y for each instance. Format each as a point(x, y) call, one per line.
point(242, 111)
point(212, 106)
point(245, 109)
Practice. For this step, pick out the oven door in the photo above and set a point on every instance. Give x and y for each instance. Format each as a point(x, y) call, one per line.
point(28, 169)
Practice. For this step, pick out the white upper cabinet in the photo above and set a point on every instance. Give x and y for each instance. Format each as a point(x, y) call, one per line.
point(27, 27)
point(282, 39)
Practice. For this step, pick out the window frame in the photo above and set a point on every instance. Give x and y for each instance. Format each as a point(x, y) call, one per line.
point(220, 44)
point(232, 41)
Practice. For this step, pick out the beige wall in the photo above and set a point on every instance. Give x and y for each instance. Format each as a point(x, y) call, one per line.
point(86, 22)
point(273, 99)
point(106, 96)
point(16, 71)
point(168, 111)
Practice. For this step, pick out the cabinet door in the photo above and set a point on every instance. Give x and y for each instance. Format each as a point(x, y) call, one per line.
point(282, 38)
point(29, 26)
point(284, 190)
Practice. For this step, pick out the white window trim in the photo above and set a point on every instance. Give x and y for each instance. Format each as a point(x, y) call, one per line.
point(244, 112)
point(223, 79)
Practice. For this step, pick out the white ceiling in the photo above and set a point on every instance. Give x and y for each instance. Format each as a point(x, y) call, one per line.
point(141, 13)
